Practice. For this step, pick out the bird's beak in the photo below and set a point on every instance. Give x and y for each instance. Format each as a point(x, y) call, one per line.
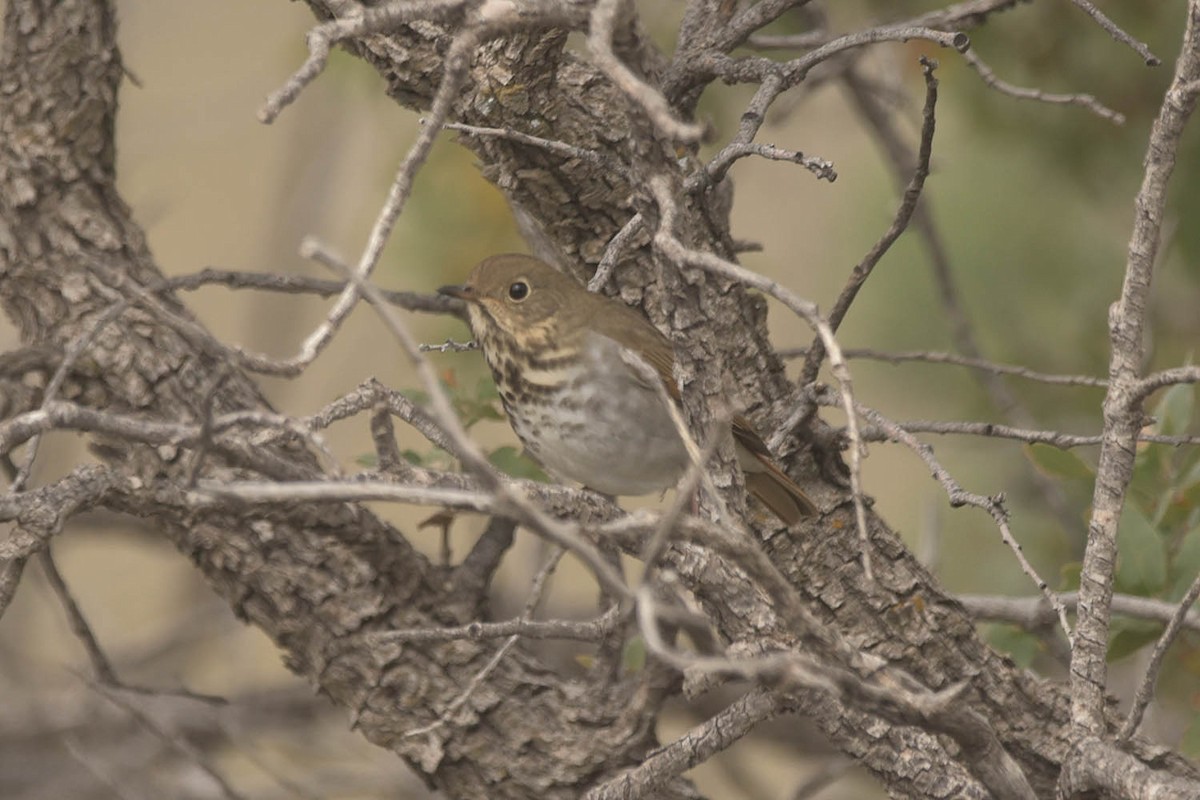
point(461, 292)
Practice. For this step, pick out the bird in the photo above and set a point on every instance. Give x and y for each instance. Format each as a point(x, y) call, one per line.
point(564, 362)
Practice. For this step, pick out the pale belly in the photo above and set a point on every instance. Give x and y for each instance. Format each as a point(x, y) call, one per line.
point(609, 432)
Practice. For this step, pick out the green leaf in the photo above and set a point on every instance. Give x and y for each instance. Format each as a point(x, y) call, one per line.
point(413, 457)
point(1189, 745)
point(1130, 635)
point(1142, 554)
point(417, 396)
point(1069, 576)
point(512, 462)
point(369, 460)
point(1058, 463)
point(1020, 645)
point(1185, 566)
point(1174, 410)
point(633, 657)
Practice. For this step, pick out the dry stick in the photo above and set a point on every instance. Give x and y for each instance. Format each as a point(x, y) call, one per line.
point(614, 250)
point(535, 597)
point(939, 357)
point(717, 168)
point(322, 38)
point(1122, 405)
point(1145, 692)
point(550, 145)
point(791, 73)
point(1168, 377)
point(588, 630)
point(665, 240)
point(101, 666)
point(600, 42)
point(908, 204)
point(994, 506)
point(74, 351)
point(105, 674)
point(449, 346)
point(695, 747)
point(1034, 612)
point(1063, 441)
point(302, 284)
point(1118, 34)
point(684, 491)
point(1004, 87)
point(505, 499)
point(174, 740)
point(457, 62)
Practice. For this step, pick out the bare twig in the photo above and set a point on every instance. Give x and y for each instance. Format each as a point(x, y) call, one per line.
point(908, 204)
point(613, 251)
point(302, 284)
point(549, 145)
point(1004, 87)
point(694, 747)
point(937, 357)
point(449, 346)
point(322, 38)
point(1122, 404)
point(600, 42)
point(1035, 612)
point(1063, 441)
point(588, 630)
point(994, 505)
point(1145, 691)
point(1116, 32)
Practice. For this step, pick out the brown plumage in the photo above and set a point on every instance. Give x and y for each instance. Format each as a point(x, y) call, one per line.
point(579, 407)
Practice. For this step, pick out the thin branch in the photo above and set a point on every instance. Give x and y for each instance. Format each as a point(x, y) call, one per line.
point(717, 168)
point(939, 357)
point(908, 204)
point(322, 38)
point(614, 250)
point(1122, 405)
point(1115, 32)
point(1033, 613)
point(601, 25)
point(1063, 441)
point(1145, 692)
point(1168, 377)
point(302, 284)
point(549, 145)
point(989, 77)
point(101, 666)
point(449, 346)
point(588, 630)
point(993, 505)
point(694, 747)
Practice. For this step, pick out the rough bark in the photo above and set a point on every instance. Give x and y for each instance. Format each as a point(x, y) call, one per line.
point(318, 578)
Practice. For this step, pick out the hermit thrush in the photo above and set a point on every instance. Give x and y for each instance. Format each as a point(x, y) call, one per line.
point(561, 359)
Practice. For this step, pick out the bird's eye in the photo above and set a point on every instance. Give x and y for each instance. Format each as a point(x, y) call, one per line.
point(518, 291)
